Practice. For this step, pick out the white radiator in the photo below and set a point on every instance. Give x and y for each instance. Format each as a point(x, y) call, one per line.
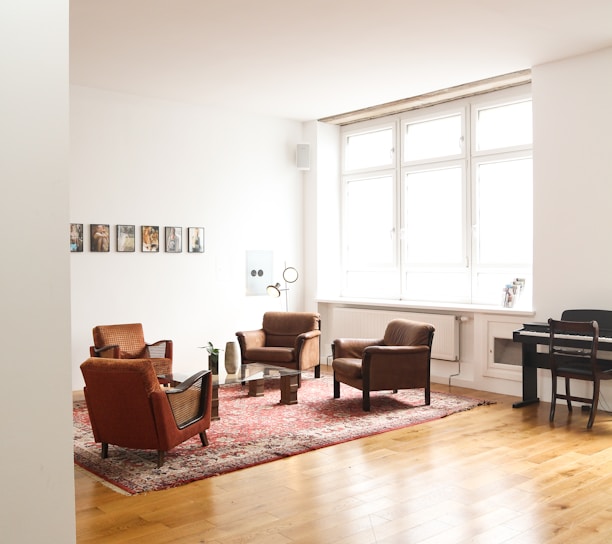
point(366, 323)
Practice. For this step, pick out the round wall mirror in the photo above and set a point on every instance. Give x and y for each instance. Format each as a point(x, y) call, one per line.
point(290, 274)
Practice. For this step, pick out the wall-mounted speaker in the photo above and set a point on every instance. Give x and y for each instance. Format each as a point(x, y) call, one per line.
point(302, 156)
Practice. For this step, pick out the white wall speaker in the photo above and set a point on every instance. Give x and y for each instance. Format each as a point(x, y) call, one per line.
point(302, 156)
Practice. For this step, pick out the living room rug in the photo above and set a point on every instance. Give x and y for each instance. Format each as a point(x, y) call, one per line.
point(255, 430)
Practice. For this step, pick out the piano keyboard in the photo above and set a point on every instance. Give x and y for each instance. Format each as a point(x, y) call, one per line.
point(563, 336)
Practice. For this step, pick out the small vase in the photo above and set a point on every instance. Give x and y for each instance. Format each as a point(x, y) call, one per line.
point(213, 363)
point(232, 357)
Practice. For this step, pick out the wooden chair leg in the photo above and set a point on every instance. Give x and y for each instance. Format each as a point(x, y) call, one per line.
point(568, 394)
point(160, 458)
point(553, 399)
point(104, 452)
point(317, 371)
point(204, 438)
point(427, 395)
point(594, 404)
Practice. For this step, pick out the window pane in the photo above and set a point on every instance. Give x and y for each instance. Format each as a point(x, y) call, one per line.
point(505, 212)
point(369, 149)
point(433, 217)
point(377, 283)
point(369, 223)
point(432, 139)
point(449, 286)
point(504, 126)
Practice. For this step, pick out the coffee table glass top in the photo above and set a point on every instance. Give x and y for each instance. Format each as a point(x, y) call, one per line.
point(246, 373)
point(251, 372)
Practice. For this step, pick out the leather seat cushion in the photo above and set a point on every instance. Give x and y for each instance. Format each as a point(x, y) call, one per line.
point(271, 355)
point(348, 367)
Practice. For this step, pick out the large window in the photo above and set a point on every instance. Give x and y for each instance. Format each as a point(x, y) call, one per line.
point(448, 218)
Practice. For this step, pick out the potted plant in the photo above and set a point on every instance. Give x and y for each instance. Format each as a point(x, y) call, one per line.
point(213, 358)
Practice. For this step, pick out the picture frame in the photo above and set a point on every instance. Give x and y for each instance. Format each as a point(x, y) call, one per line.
point(126, 238)
point(100, 237)
point(150, 238)
point(196, 239)
point(174, 240)
point(76, 237)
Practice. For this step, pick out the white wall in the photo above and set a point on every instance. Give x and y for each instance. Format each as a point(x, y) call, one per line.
point(573, 184)
point(573, 190)
point(149, 162)
point(36, 468)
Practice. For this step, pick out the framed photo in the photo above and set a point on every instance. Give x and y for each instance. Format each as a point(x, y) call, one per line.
point(174, 239)
point(76, 237)
point(100, 237)
point(150, 239)
point(126, 238)
point(196, 239)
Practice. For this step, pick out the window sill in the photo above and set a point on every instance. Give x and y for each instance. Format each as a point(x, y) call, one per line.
point(519, 310)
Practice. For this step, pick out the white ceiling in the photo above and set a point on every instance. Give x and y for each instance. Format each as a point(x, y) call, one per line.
point(310, 59)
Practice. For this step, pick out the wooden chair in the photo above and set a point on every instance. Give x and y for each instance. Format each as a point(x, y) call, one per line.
point(128, 407)
point(576, 363)
point(126, 341)
point(399, 360)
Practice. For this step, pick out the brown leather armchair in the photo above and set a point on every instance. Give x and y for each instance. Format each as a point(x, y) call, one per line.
point(287, 339)
point(128, 407)
point(400, 360)
point(127, 342)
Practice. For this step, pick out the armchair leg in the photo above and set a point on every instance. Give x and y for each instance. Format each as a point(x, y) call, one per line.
point(427, 395)
point(104, 452)
point(160, 458)
point(204, 438)
point(366, 400)
point(317, 371)
point(336, 388)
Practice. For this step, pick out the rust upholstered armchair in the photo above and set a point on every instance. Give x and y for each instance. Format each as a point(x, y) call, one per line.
point(400, 360)
point(288, 339)
point(128, 407)
point(127, 342)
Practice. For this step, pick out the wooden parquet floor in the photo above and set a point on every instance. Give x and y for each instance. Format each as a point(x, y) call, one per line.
point(491, 475)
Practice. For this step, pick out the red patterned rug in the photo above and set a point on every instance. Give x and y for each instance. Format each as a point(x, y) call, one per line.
point(254, 430)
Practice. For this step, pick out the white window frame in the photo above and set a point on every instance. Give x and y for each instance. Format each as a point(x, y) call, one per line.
point(396, 288)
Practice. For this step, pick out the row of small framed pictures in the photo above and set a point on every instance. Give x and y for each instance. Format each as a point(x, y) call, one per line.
point(99, 237)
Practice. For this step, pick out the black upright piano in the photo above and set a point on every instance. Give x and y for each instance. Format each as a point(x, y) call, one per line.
point(533, 334)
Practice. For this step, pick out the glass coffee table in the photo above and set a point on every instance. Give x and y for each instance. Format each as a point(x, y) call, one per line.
point(253, 374)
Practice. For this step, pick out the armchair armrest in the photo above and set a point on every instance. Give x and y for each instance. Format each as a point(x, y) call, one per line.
point(108, 352)
point(306, 336)
point(406, 356)
point(396, 350)
point(352, 348)
point(252, 339)
point(162, 349)
point(188, 399)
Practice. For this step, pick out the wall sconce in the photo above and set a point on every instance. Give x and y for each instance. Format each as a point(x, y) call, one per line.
point(290, 275)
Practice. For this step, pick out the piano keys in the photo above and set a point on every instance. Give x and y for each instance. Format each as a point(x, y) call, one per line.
point(533, 335)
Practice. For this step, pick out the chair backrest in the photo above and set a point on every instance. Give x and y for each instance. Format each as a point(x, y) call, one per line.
point(403, 332)
point(282, 328)
point(559, 348)
point(129, 337)
point(118, 398)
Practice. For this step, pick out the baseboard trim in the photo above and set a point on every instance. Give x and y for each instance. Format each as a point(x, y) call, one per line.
point(78, 396)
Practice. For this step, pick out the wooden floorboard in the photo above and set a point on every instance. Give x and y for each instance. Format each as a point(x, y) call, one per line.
point(490, 475)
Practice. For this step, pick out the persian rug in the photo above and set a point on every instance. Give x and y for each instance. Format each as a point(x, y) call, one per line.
point(255, 430)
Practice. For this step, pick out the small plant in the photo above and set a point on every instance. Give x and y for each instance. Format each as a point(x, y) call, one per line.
point(212, 350)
